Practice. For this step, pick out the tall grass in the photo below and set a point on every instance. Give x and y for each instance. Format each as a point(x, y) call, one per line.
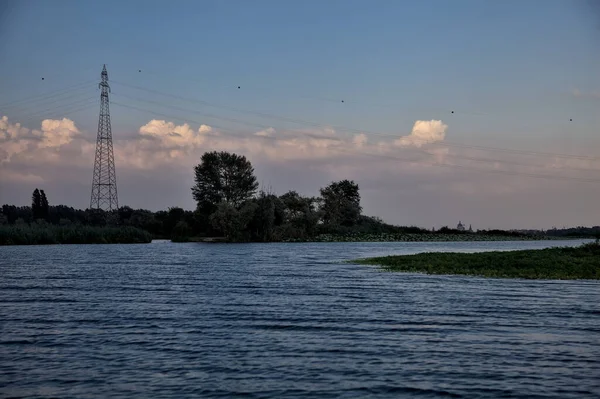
point(73, 234)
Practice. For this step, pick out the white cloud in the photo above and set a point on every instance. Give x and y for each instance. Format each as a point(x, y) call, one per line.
point(10, 131)
point(56, 133)
point(360, 140)
point(162, 141)
point(424, 132)
point(270, 132)
point(171, 135)
point(16, 139)
point(204, 129)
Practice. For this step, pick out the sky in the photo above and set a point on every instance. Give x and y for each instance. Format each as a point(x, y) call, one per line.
point(478, 111)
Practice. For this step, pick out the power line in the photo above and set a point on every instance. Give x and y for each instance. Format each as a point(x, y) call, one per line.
point(43, 101)
point(337, 100)
point(61, 107)
point(47, 77)
point(351, 130)
point(66, 102)
point(436, 164)
point(239, 121)
point(66, 112)
point(46, 95)
point(494, 161)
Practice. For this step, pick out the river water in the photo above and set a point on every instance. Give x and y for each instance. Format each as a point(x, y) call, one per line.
point(168, 320)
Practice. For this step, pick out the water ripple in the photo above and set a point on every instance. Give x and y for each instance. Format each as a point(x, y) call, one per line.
point(286, 321)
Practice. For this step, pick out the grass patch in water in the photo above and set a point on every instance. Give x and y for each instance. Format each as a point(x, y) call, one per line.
point(565, 263)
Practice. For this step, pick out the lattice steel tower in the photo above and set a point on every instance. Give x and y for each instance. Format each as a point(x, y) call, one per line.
point(104, 182)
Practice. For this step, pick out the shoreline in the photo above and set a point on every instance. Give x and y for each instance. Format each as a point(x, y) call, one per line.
point(392, 238)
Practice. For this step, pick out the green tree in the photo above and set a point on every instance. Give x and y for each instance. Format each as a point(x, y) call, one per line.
point(36, 204)
point(223, 177)
point(181, 232)
point(95, 217)
point(231, 222)
point(174, 216)
point(341, 203)
point(11, 212)
point(125, 213)
point(269, 214)
point(145, 219)
point(44, 206)
point(300, 212)
point(62, 212)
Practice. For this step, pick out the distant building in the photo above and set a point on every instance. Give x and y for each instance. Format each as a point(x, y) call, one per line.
point(470, 229)
point(460, 226)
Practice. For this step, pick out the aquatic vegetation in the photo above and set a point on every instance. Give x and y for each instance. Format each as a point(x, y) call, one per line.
point(415, 237)
point(564, 263)
point(36, 234)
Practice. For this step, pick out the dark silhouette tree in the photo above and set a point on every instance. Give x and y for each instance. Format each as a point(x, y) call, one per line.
point(341, 203)
point(95, 217)
point(223, 177)
point(125, 213)
point(269, 214)
point(232, 222)
point(174, 216)
point(294, 205)
point(12, 213)
point(44, 206)
point(36, 204)
point(181, 231)
point(300, 213)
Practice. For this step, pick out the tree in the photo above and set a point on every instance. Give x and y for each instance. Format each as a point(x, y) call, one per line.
point(11, 213)
point(181, 232)
point(125, 213)
point(300, 212)
point(231, 221)
point(45, 207)
point(146, 220)
point(174, 216)
point(223, 177)
point(269, 213)
point(95, 217)
point(341, 203)
point(57, 213)
point(36, 204)
point(294, 204)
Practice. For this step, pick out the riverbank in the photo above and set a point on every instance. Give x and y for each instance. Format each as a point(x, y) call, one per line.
point(45, 234)
point(420, 237)
point(401, 237)
point(563, 263)
point(385, 237)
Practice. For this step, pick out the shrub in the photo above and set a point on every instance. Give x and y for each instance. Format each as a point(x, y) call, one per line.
point(37, 234)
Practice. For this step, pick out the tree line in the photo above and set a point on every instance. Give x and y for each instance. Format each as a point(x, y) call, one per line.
point(230, 206)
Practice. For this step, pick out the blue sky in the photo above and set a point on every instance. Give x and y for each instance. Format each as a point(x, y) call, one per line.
point(508, 69)
point(417, 57)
